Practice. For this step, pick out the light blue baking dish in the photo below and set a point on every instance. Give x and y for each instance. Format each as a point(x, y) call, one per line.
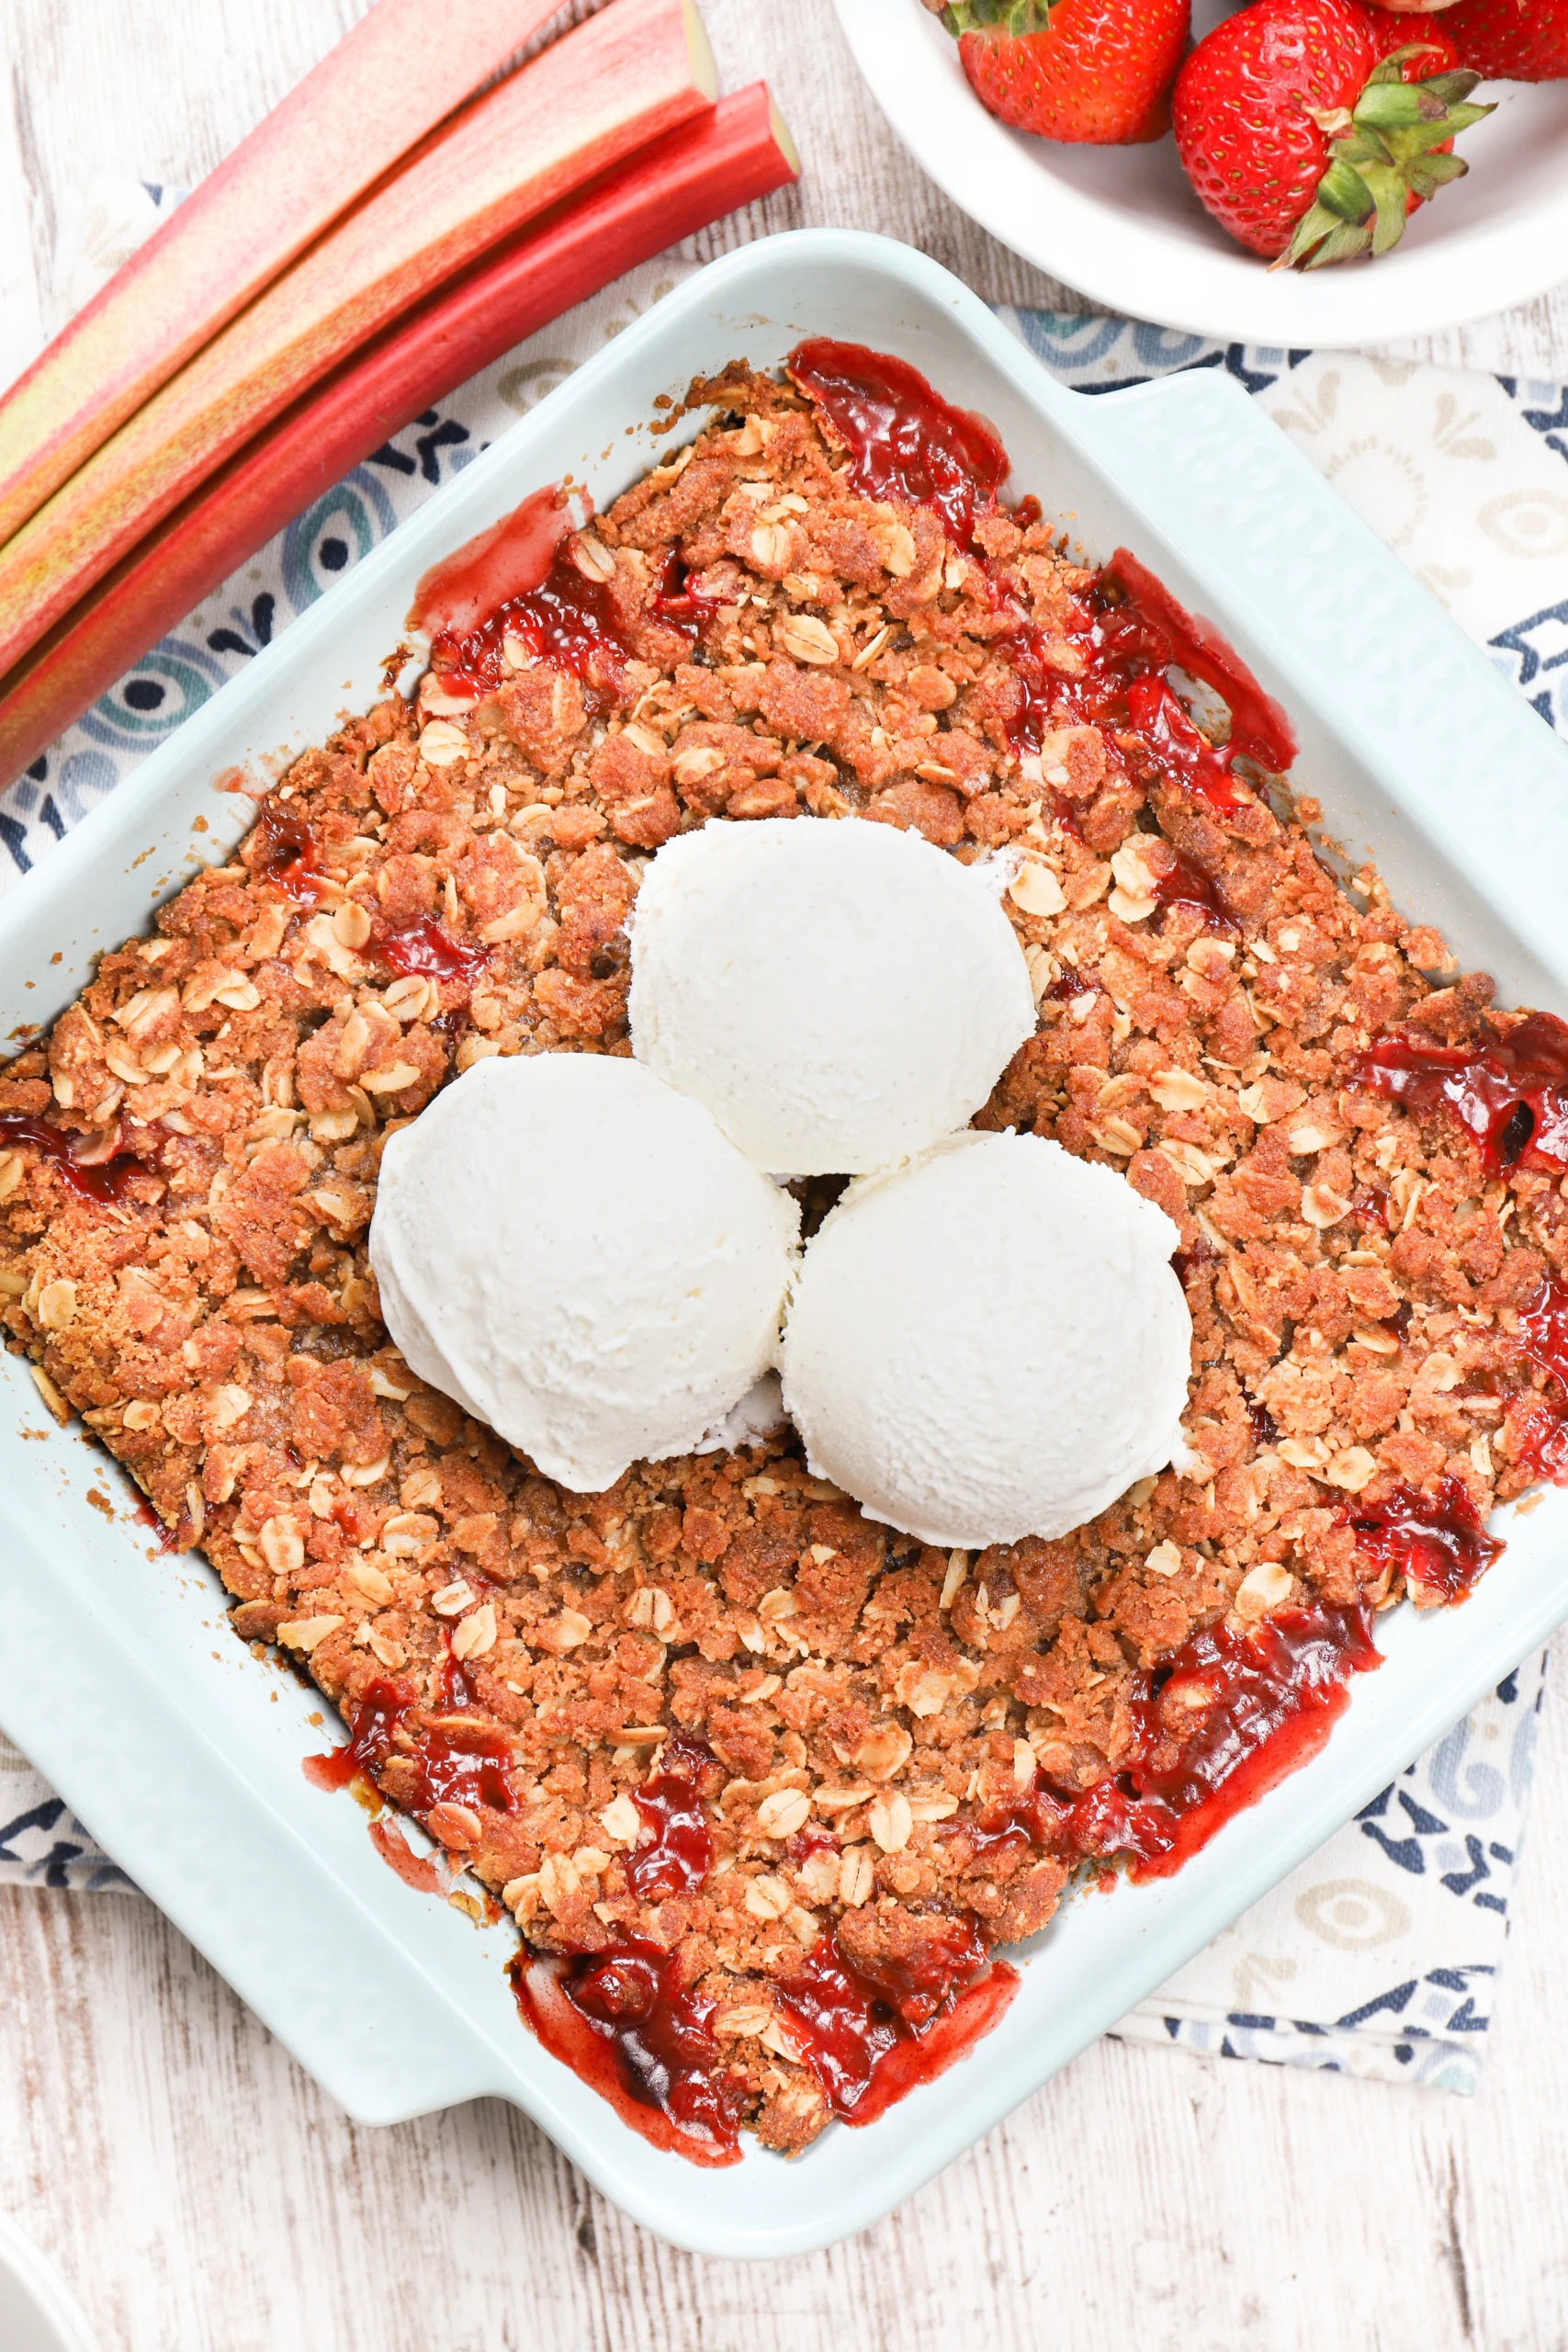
point(119, 1676)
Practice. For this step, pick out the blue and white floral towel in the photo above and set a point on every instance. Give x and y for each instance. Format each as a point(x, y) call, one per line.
point(1380, 1955)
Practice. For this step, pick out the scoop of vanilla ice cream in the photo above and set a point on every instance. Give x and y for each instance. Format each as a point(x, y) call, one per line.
point(575, 1253)
point(838, 993)
point(990, 1343)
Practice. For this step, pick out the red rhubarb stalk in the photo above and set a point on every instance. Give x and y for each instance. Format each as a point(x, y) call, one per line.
point(404, 68)
point(634, 70)
point(737, 154)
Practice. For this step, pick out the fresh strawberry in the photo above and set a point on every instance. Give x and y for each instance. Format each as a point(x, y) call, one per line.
point(1308, 137)
point(1095, 71)
point(1512, 41)
point(1427, 36)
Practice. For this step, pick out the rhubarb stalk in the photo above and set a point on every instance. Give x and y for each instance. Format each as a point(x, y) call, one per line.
point(636, 69)
point(404, 68)
point(696, 174)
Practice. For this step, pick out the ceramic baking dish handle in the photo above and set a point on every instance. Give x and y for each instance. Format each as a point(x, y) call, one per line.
point(381, 2032)
point(1238, 518)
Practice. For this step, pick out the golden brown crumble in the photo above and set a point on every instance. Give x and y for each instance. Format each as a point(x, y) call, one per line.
point(216, 1326)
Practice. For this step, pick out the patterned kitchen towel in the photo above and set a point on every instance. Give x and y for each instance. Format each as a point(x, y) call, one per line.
point(1379, 1956)
point(40, 1843)
point(1384, 1948)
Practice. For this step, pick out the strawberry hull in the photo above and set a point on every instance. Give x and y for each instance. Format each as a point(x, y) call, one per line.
point(1310, 129)
point(631, 74)
point(282, 186)
point(739, 153)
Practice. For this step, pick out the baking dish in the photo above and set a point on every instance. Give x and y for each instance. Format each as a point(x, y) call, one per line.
point(182, 1751)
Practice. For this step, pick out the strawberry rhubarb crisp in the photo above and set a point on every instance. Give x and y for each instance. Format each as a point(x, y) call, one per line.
point(764, 1783)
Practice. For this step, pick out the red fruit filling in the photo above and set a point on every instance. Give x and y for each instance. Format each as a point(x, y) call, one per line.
point(1508, 1090)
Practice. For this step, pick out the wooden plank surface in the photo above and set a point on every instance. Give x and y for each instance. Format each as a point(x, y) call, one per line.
point(205, 2197)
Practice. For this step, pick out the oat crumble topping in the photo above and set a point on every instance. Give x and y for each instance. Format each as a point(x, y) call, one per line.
point(858, 1722)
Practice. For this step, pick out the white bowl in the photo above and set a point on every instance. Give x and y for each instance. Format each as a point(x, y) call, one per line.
point(1123, 225)
point(119, 1676)
point(38, 2311)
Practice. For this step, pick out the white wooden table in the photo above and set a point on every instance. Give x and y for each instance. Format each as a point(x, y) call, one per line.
point(203, 2195)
